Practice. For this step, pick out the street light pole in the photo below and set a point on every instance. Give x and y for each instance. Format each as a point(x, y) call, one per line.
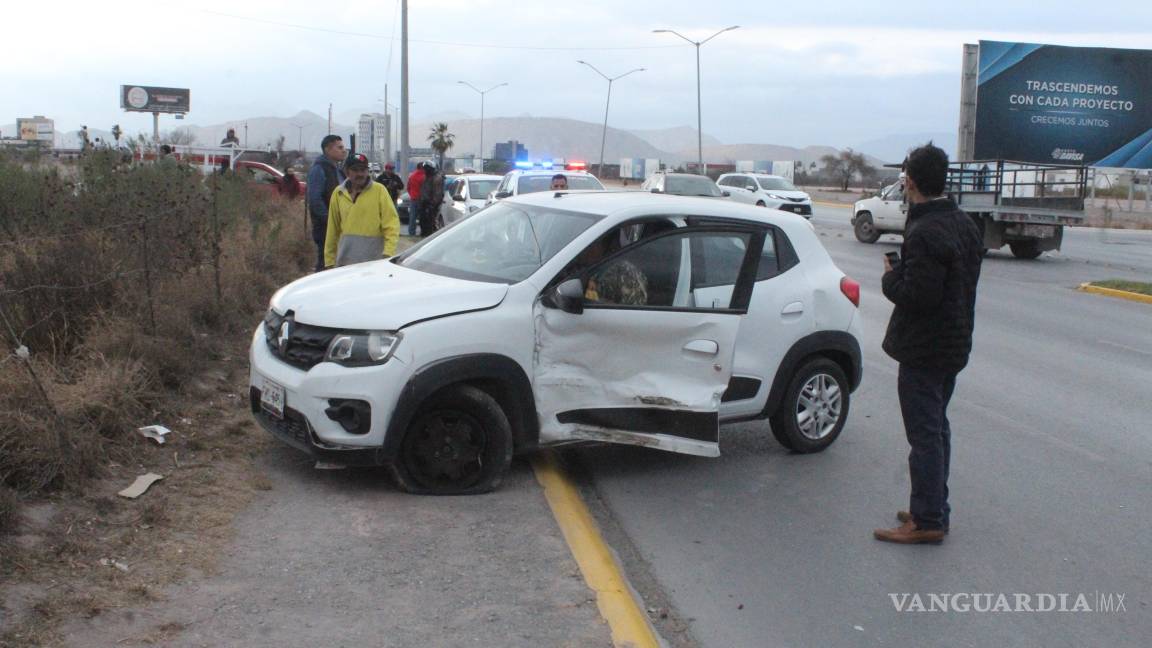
point(699, 114)
point(481, 93)
point(604, 132)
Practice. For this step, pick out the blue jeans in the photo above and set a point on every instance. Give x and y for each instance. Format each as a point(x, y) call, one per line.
point(415, 208)
point(924, 396)
point(319, 233)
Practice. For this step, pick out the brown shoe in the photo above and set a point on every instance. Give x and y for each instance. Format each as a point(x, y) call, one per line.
point(907, 533)
point(905, 516)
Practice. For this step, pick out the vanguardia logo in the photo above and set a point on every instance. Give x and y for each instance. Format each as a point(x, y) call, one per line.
point(1071, 155)
point(964, 602)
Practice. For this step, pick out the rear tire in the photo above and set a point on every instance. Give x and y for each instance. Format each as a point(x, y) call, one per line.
point(1025, 249)
point(814, 409)
point(459, 443)
point(865, 229)
point(760, 203)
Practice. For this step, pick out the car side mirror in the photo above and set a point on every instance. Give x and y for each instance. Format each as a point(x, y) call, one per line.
point(726, 194)
point(567, 296)
point(750, 187)
point(501, 195)
point(656, 190)
point(458, 198)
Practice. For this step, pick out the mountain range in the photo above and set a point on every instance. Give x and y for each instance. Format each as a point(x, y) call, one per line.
point(544, 138)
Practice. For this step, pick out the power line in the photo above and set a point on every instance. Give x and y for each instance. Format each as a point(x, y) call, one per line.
point(435, 42)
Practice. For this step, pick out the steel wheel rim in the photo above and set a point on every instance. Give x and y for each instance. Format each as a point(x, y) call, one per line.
point(866, 228)
point(819, 406)
point(446, 449)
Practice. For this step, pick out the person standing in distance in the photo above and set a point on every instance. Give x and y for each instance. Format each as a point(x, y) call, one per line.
point(933, 287)
point(391, 181)
point(415, 205)
point(362, 221)
point(431, 199)
point(323, 178)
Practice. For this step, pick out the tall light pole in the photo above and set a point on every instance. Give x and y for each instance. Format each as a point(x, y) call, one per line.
point(300, 137)
point(404, 90)
point(482, 93)
point(604, 132)
point(699, 118)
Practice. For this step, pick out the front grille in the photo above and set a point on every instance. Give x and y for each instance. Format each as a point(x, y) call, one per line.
point(803, 210)
point(292, 428)
point(797, 199)
point(306, 344)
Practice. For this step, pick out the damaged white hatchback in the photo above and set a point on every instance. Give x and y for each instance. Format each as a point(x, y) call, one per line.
point(557, 318)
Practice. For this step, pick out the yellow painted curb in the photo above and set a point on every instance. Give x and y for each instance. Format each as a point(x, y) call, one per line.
point(1112, 292)
point(629, 625)
point(825, 203)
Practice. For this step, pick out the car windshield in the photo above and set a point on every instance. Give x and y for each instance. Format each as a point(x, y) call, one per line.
point(481, 188)
point(779, 184)
point(504, 243)
point(533, 183)
point(687, 185)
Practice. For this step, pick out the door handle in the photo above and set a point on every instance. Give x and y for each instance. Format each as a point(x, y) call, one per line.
point(795, 308)
point(707, 347)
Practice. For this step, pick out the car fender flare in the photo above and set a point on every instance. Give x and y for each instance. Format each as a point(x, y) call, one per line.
point(502, 377)
point(839, 346)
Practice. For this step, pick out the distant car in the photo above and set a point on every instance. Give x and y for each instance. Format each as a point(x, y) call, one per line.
point(525, 181)
point(880, 214)
point(683, 184)
point(271, 180)
point(467, 196)
point(765, 190)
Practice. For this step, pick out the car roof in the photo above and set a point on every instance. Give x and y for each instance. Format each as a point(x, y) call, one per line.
point(548, 172)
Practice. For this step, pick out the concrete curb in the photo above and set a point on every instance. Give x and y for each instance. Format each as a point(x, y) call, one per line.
point(618, 605)
point(824, 203)
point(1111, 292)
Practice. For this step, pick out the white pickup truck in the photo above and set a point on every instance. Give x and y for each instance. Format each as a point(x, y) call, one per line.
point(1019, 204)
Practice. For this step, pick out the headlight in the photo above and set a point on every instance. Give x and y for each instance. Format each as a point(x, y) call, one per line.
point(776, 197)
point(362, 349)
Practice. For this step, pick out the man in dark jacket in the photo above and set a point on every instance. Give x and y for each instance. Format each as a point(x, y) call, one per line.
point(431, 199)
point(933, 287)
point(323, 178)
point(391, 181)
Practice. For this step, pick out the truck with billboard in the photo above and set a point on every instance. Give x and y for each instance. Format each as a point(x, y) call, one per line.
point(1033, 120)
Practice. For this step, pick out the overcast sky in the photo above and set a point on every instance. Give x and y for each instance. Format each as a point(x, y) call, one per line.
point(795, 73)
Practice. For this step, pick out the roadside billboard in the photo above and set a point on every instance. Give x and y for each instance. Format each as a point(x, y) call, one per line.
point(134, 98)
point(36, 129)
point(1064, 105)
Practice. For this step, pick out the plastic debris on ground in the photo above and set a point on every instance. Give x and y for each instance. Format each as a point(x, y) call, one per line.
point(155, 432)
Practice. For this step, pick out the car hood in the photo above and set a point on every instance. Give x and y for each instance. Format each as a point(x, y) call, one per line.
point(381, 295)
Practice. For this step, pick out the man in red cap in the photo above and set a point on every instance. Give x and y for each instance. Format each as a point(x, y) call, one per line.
point(391, 181)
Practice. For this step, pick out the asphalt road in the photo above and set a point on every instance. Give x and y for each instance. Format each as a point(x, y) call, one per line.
point(1051, 476)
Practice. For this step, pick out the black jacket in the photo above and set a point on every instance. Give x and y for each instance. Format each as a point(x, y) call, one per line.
point(934, 288)
point(392, 182)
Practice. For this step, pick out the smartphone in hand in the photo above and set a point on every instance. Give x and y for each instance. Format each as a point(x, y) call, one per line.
point(893, 257)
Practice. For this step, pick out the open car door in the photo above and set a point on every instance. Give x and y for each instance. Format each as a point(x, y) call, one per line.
point(627, 353)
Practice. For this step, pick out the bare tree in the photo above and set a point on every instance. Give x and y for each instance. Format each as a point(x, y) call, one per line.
point(179, 136)
point(847, 165)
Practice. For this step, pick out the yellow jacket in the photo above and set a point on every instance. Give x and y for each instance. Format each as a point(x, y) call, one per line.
point(364, 230)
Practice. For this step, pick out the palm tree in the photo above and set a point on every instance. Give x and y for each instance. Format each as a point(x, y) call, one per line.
point(441, 140)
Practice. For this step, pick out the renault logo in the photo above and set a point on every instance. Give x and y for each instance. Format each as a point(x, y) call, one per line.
point(285, 335)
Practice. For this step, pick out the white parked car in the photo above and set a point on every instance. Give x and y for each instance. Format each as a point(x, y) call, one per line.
point(553, 318)
point(468, 195)
point(682, 184)
point(880, 214)
point(765, 190)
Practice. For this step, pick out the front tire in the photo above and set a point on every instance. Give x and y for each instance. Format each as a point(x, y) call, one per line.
point(1025, 249)
point(760, 203)
point(459, 443)
point(814, 409)
point(865, 229)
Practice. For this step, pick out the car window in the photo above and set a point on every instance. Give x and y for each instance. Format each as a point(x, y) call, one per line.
point(671, 271)
point(537, 183)
point(504, 243)
point(260, 175)
point(481, 188)
point(769, 261)
point(777, 184)
point(686, 185)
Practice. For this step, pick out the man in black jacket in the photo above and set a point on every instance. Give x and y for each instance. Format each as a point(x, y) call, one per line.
point(933, 287)
point(391, 181)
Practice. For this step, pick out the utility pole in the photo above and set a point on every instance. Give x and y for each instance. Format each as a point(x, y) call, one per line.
point(245, 134)
point(404, 88)
point(604, 133)
point(699, 118)
point(329, 119)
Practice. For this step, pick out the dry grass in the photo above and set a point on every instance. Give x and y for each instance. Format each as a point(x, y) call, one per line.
point(1138, 287)
point(109, 360)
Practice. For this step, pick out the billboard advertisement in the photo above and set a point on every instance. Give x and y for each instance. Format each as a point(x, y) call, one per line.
point(135, 98)
point(1064, 105)
point(37, 129)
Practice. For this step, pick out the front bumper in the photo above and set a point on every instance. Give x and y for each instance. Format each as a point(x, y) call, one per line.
point(804, 209)
point(308, 393)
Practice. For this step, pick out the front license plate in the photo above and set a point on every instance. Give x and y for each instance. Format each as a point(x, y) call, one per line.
point(272, 398)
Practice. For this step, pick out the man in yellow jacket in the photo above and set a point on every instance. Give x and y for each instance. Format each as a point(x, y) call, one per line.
point(362, 220)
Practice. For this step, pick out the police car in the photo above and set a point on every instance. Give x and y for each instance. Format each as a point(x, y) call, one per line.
point(530, 177)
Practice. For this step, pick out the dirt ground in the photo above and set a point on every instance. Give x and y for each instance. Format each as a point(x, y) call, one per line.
point(245, 543)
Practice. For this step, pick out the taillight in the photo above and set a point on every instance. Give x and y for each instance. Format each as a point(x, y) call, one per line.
point(851, 290)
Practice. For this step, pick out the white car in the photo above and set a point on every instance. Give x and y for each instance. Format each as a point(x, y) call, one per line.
point(881, 214)
point(531, 180)
point(555, 318)
point(765, 190)
point(468, 195)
